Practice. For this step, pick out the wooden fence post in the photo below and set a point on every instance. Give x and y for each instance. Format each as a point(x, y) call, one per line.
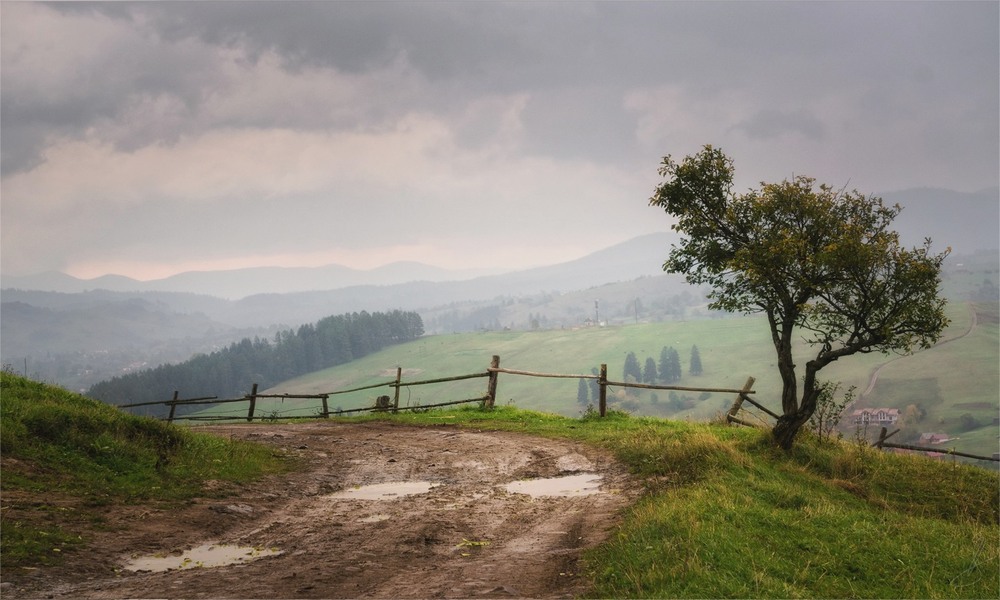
point(253, 403)
point(491, 387)
point(731, 415)
point(326, 406)
point(395, 397)
point(602, 383)
point(173, 407)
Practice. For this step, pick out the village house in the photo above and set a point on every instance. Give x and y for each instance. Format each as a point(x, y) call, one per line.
point(934, 438)
point(876, 416)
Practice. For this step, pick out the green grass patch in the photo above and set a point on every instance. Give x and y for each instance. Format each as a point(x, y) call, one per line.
point(727, 515)
point(61, 444)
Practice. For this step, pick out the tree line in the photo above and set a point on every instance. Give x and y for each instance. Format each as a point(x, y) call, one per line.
point(229, 372)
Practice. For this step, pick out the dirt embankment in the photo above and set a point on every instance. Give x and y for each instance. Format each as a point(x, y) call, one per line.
point(467, 536)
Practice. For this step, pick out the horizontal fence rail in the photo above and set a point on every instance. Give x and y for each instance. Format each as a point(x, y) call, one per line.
point(882, 443)
point(384, 403)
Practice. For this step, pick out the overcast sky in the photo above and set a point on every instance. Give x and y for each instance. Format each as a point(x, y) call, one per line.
point(148, 139)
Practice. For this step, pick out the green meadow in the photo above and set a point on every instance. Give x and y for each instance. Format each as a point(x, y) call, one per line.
point(954, 385)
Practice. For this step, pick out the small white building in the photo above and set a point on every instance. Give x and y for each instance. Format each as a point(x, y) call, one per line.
point(876, 416)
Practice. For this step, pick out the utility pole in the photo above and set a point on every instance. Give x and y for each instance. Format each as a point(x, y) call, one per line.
point(597, 313)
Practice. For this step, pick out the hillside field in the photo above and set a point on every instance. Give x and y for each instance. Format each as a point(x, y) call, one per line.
point(959, 377)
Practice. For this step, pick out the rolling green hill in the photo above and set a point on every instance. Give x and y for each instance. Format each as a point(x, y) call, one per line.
point(954, 384)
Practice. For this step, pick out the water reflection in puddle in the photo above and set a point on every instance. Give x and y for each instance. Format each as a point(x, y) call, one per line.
point(583, 484)
point(385, 491)
point(206, 555)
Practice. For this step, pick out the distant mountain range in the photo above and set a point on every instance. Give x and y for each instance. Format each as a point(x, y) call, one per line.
point(642, 256)
point(239, 283)
point(966, 222)
point(75, 332)
point(76, 338)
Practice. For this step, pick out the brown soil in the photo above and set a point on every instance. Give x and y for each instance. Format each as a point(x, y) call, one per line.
point(467, 537)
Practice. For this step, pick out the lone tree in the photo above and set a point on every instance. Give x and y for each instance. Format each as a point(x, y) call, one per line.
point(695, 368)
point(818, 260)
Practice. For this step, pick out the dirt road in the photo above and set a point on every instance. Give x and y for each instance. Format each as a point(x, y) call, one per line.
point(462, 534)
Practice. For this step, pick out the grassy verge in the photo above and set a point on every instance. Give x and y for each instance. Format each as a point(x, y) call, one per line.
point(81, 452)
point(726, 515)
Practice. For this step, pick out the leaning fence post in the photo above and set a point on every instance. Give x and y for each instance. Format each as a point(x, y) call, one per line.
point(491, 387)
point(602, 382)
point(738, 403)
point(881, 438)
point(173, 407)
point(395, 397)
point(253, 403)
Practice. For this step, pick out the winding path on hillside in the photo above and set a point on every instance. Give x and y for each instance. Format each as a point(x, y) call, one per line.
point(974, 320)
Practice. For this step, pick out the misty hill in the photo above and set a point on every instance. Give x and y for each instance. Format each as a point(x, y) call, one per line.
point(77, 339)
point(239, 283)
point(639, 257)
point(966, 222)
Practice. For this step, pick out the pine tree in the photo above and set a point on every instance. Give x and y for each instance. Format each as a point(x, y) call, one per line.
point(695, 361)
point(664, 364)
point(632, 368)
point(595, 387)
point(583, 392)
point(649, 373)
point(670, 365)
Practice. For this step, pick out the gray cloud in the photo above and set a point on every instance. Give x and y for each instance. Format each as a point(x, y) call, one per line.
point(767, 124)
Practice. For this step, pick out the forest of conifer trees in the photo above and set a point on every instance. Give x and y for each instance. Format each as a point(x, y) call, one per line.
point(231, 371)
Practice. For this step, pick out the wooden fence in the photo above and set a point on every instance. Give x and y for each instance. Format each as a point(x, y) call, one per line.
point(386, 404)
point(880, 443)
point(492, 373)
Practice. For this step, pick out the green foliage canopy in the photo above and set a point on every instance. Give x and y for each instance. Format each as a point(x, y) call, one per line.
point(810, 258)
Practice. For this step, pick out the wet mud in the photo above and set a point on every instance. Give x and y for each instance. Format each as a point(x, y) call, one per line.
point(380, 511)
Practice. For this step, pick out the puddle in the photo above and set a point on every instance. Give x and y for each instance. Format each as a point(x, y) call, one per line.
point(583, 484)
point(374, 519)
point(385, 491)
point(206, 555)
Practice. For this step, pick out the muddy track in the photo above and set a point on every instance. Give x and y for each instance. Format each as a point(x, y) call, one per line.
point(467, 536)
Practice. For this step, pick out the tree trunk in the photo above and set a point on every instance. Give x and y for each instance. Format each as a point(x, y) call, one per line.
point(787, 428)
point(789, 424)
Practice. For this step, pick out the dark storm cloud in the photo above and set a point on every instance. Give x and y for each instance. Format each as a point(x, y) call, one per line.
point(560, 52)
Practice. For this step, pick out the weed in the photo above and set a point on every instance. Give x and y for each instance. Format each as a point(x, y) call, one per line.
point(825, 420)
